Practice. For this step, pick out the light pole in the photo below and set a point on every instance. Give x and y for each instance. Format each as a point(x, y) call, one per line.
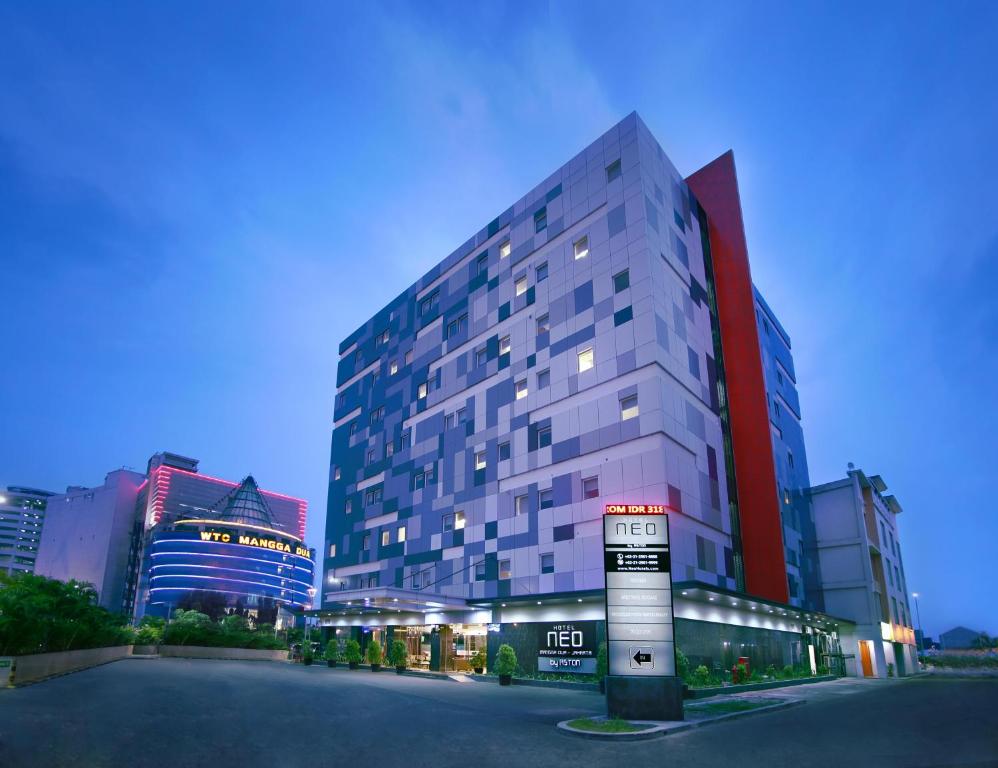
point(918, 617)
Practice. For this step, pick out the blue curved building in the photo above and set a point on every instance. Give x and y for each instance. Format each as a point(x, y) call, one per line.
point(232, 561)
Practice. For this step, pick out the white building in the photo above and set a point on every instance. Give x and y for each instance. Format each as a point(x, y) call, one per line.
point(22, 514)
point(862, 573)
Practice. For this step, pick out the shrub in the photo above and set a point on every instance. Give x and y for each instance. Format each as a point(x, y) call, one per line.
point(771, 671)
point(506, 660)
point(787, 672)
point(602, 663)
point(373, 653)
point(351, 651)
point(682, 664)
point(398, 654)
point(332, 652)
point(478, 660)
point(890, 669)
point(701, 677)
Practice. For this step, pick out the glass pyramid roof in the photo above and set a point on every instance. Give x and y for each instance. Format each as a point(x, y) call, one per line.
point(245, 504)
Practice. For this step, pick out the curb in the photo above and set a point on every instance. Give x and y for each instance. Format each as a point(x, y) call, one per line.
point(660, 729)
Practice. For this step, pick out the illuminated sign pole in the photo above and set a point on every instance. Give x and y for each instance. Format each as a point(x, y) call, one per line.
point(641, 647)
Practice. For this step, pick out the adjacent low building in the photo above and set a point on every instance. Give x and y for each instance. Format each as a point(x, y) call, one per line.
point(22, 517)
point(863, 576)
point(961, 638)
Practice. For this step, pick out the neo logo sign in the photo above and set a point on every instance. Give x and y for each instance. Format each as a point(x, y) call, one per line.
point(565, 639)
point(638, 528)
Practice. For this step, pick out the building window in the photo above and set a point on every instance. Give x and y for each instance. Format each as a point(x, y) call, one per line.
point(779, 376)
point(374, 495)
point(336, 473)
point(393, 367)
point(481, 357)
point(521, 507)
point(544, 437)
point(419, 480)
point(480, 460)
point(332, 550)
point(521, 286)
point(503, 451)
point(547, 562)
point(356, 357)
point(462, 414)
point(389, 449)
point(628, 407)
point(504, 250)
point(408, 357)
point(429, 303)
point(448, 523)
point(504, 345)
point(377, 414)
point(382, 338)
point(543, 379)
point(541, 220)
point(479, 571)
point(543, 324)
point(348, 506)
point(483, 264)
point(386, 538)
point(450, 420)
point(790, 459)
point(421, 392)
point(585, 359)
point(547, 498)
point(370, 456)
point(613, 171)
point(405, 439)
point(581, 248)
point(367, 542)
point(542, 272)
point(401, 534)
point(504, 570)
point(521, 389)
point(457, 325)
point(353, 427)
point(621, 280)
point(459, 521)
point(590, 488)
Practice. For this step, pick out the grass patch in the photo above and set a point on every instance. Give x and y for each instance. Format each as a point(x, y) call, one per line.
point(613, 725)
point(726, 707)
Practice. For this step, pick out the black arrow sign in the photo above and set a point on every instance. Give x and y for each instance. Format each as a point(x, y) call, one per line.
point(642, 658)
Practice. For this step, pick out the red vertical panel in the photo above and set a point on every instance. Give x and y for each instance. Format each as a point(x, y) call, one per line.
point(716, 187)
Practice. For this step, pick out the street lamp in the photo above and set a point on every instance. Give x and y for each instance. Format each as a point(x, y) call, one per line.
point(918, 617)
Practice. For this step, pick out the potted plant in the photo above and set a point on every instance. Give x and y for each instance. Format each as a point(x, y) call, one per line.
point(398, 655)
point(332, 653)
point(478, 661)
point(601, 667)
point(374, 656)
point(505, 664)
point(352, 653)
point(307, 657)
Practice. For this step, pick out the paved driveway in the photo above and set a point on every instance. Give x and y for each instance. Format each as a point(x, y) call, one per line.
point(176, 713)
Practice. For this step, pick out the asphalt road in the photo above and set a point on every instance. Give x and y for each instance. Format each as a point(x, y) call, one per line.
point(177, 713)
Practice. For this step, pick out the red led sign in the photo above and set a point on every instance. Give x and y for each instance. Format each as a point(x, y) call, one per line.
point(635, 509)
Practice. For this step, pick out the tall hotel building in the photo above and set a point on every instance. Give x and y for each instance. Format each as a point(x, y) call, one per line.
point(599, 342)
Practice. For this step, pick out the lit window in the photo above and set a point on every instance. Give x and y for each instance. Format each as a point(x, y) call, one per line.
point(386, 538)
point(389, 449)
point(367, 542)
point(479, 571)
point(504, 345)
point(544, 437)
point(543, 379)
point(521, 389)
point(480, 460)
point(621, 281)
point(408, 357)
point(541, 220)
point(585, 359)
point(590, 488)
point(332, 550)
point(547, 498)
point(421, 392)
point(613, 171)
point(547, 562)
point(459, 521)
point(336, 473)
point(504, 250)
point(543, 324)
point(581, 248)
point(394, 367)
point(628, 407)
point(505, 572)
point(503, 451)
point(521, 506)
point(521, 286)
point(542, 272)
point(401, 536)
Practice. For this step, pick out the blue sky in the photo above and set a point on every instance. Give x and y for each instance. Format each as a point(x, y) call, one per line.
point(199, 201)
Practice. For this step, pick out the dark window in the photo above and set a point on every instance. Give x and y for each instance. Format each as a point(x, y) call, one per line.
point(479, 571)
point(419, 481)
point(481, 357)
point(547, 498)
point(621, 280)
point(590, 488)
point(503, 451)
point(543, 379)
point(448, 523)
point(377, 414)
point(547, 562)
point(541, 220)
point(613, 171)
point(353, 427)
point(367, 541)
point(543, 324)
point(483, 264)
point(544, 437)
point(428, 303)
point(542, 272)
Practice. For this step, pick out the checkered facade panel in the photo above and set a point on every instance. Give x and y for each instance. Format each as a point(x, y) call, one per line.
point(559, 360)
